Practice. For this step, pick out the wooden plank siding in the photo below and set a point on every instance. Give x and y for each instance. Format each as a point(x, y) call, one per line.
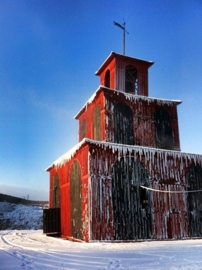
point(68, 203)
point(94, 120)
point(75, 199)
point(112, 69)
point(113, 204)
point(165, 214)
point(142, 75)
point(143, 120)
point(116, 65)
point(194, 199)
point(126, 179)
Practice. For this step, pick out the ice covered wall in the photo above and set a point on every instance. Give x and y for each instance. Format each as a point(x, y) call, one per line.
point(166, 172)
point(143, 123)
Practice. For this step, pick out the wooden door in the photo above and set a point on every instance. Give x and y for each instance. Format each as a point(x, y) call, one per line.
point(131, 203)
point(194, 200)
point(51, 221)
point(75, 200)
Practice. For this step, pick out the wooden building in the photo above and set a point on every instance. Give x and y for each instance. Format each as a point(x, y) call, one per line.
point(127, 179)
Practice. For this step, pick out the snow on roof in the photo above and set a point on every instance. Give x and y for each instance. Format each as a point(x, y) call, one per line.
point(90, 100)
point(67, 156)
point(131, 97)
point(123, 149)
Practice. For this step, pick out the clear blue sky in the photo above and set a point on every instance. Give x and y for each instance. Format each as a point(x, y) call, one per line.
point(49, 52)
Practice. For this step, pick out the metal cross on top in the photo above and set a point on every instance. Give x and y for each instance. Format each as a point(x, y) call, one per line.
point(123, 27)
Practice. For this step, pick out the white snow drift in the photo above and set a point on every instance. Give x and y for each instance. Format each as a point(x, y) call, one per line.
point(33, 250)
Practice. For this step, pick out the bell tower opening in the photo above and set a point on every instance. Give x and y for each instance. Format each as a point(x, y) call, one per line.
point(125, 73)
point(131, 79)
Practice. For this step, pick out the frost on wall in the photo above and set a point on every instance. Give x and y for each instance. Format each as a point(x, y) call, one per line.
point(142, 121)
point(165, 209)
point(166, 191)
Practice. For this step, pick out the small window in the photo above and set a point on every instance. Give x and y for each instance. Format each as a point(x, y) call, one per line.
point(163, 129)
point(107, 78)
point(131, 79)
point(123, 124)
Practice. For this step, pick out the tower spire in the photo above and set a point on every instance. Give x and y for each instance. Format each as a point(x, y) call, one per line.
point(123, 27)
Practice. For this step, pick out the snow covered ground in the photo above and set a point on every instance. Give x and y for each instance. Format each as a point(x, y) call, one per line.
point(18, 216)
point(31, 249)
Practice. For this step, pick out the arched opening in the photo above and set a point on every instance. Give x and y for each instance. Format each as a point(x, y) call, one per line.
point(75, 200)
point(131, 204)
point(107, 78)
point(56, 192)
point(131, 79)
point(83, 129)
point(123, 124)
point(97, 123)
point(163, 129)
point(194, 200)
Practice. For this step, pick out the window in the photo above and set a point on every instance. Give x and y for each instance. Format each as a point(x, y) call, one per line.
point(163, 129)
point(123, 124)
point(131, 79)
point(107, 78)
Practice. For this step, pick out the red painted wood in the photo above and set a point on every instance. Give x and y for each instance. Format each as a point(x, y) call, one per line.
point(143, 119)
point(64, 179)
point(116, 64)
point(166, 169)
point(88, 116)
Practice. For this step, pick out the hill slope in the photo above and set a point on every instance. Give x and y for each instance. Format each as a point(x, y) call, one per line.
point(16, 200)
point(20, 217)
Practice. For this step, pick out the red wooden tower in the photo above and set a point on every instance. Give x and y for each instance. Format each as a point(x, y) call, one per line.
point(126, 179)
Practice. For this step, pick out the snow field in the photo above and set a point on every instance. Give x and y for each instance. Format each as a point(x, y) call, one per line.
point(30, 249)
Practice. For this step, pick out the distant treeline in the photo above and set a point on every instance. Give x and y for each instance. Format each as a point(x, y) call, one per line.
point(16, 200)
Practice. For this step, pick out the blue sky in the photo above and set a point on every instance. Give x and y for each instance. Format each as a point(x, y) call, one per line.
point(49, 52)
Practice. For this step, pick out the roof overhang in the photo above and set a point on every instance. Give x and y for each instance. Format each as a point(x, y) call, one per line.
point(124, 149)
point(120, 56)
point(131, 97)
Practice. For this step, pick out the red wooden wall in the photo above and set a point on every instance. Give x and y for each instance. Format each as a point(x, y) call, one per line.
point(166, 172)
point(116, 64)
point(167, 213)
point(63, 171)
point(143, 117)
point(88, 114)
point(105, 198)
point(112, 68)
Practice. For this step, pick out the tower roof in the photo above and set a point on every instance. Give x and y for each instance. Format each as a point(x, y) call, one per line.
point(120, 56)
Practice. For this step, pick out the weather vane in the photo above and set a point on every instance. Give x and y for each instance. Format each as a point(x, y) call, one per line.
point(123, 27)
